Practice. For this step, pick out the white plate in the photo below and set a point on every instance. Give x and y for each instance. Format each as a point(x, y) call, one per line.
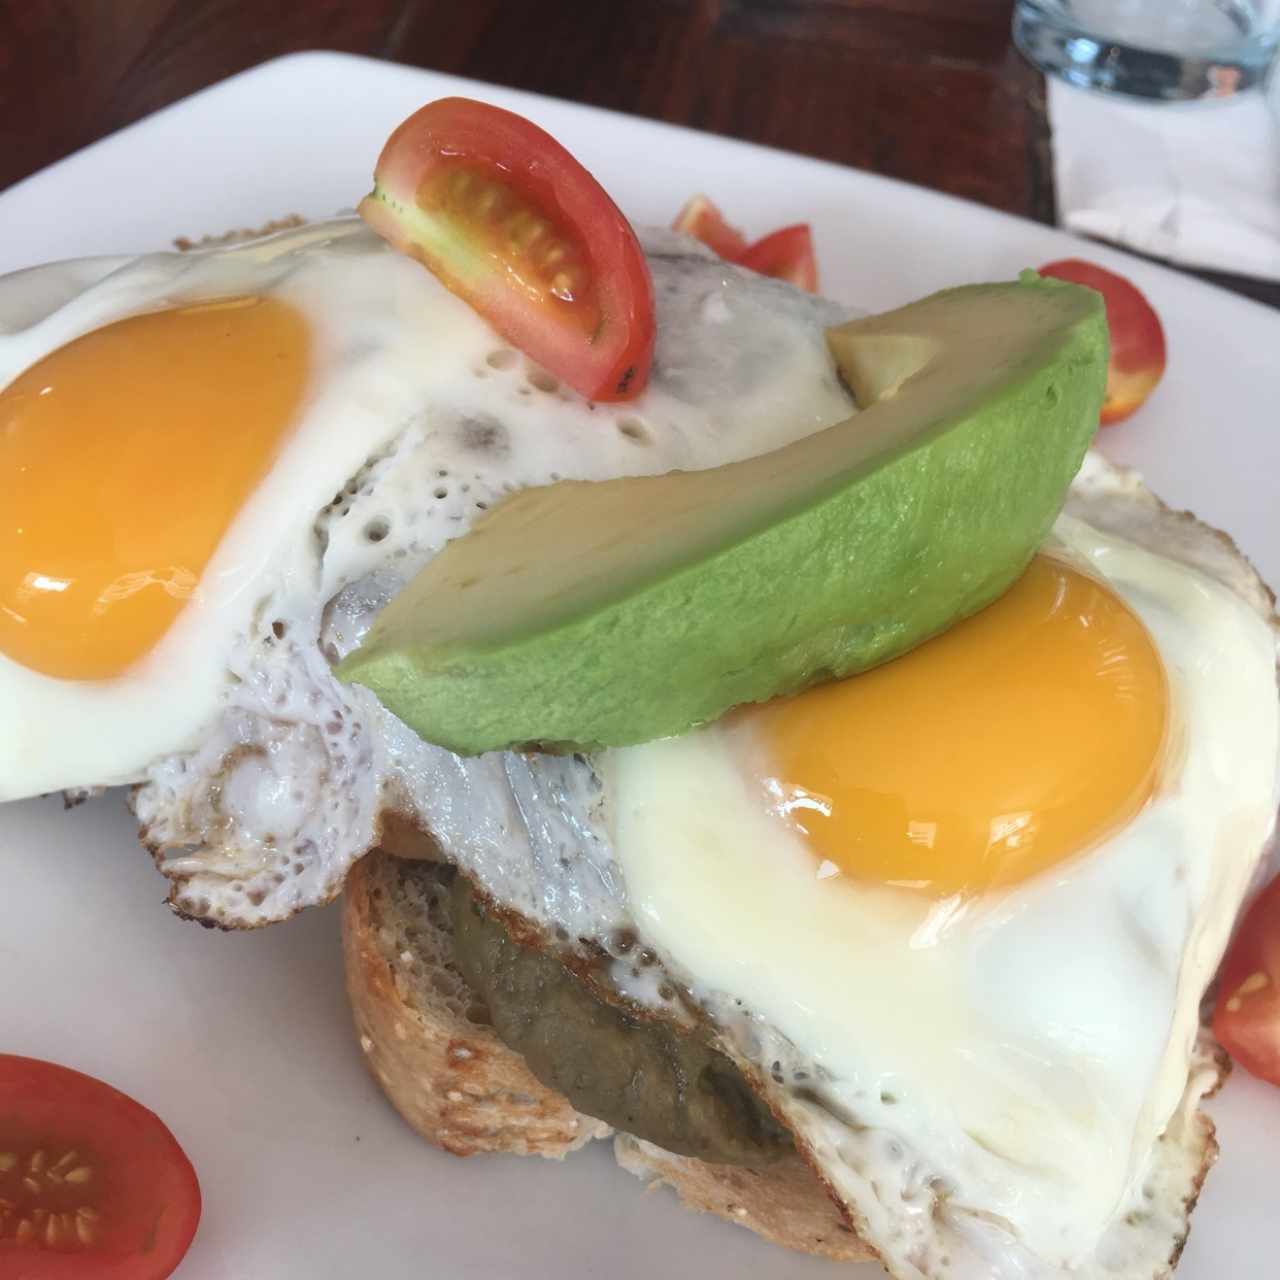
point(243, 1043)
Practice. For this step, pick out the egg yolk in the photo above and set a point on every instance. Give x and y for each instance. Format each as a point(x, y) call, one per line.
point(1020, 737)
point(127, 454)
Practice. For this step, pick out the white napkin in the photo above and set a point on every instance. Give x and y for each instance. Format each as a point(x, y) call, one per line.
point(1197, 183)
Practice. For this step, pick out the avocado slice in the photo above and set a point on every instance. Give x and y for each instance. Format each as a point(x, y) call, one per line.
point(588, 614)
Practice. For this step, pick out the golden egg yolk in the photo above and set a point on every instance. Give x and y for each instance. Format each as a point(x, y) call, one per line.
point(1020, 737)
point(127, 454)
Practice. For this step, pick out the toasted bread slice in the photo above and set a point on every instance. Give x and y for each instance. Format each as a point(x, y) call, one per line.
point(429, 1044)
point(426, 1041)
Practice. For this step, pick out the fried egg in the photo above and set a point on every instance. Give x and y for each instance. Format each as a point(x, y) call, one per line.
point(955, 931)
point(983, 888)
point(213, 446)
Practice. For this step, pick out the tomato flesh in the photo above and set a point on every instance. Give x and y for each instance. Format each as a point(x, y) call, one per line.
point(93, 1186)
point(1246, 1019)
point(703, 221)
point(786, 254)
point(513, 224)
point(1137, 337)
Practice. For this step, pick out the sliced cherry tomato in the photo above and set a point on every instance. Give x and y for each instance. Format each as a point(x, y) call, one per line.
point(786, 254)
point(703, 221)
point(513, 224)
point(1137, 338)
point(93, 1186)
point(1247, 1017)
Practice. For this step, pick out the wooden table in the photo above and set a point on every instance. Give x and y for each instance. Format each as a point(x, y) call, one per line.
point(929, 91)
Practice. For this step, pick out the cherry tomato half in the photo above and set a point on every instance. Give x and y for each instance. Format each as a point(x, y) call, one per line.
point(786, 254)
point(703, 221)
point(1137, 338)
point(1247, 1017)
point(93, 1186)
point(513, 224)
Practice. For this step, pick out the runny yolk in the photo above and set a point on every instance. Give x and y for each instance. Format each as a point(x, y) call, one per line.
point(1020, 737)
point(126, 455)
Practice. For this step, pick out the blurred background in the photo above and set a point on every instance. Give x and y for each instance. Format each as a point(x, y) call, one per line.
point(933, 92)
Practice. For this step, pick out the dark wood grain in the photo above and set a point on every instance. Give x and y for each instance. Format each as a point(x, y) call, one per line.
point(929, 91)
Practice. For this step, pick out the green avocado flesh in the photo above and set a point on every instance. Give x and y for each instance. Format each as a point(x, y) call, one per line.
point(589, 614)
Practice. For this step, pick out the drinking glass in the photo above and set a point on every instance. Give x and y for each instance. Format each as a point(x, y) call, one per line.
point(1172, 50)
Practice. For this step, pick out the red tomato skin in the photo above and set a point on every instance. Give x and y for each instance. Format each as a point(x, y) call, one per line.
point(1246, 1016)
point(786, 254)
point(703, 221)
point(60, 1105)
point(614, 364)
point(1138, 350)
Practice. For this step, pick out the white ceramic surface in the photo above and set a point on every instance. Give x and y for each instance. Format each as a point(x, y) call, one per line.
point(243, 1043)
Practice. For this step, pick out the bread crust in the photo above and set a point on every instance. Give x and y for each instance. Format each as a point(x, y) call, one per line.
point(450, 1078)
point(462, 1089)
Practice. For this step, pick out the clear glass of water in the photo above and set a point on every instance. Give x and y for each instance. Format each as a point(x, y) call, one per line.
point(1173, 50)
